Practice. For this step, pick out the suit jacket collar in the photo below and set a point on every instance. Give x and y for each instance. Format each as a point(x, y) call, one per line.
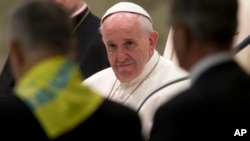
point(80, 10)
point(208, 63)
point(78, 18)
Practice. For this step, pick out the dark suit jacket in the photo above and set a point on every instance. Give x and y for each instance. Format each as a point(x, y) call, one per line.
point(6, 79)
point(214, 107)
point(91, 52)
point(111, 122)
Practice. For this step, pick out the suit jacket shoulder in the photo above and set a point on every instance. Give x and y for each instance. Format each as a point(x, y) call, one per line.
point(110, 121)
point(91, 53)
point(212, 108)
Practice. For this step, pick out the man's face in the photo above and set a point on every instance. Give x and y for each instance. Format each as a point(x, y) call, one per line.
point(129, 47)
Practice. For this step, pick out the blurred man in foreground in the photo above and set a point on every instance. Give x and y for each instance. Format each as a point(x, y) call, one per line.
point(49, 102)
point(216, 104)
point(90, 52)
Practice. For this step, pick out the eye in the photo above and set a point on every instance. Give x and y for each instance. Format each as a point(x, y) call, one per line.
point(110, 45)
point(129, 43)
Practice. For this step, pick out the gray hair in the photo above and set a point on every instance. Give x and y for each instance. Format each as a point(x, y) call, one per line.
point(206, 20)
point(145, 24)
point(41, 22)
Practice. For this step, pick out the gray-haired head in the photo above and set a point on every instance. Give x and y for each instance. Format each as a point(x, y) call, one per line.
point(126, 7)
point(41, 23)
point(206, 20)
point(144, 18)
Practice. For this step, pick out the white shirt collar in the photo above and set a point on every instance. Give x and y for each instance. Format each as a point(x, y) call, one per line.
point(84, 6)
point(207, 63)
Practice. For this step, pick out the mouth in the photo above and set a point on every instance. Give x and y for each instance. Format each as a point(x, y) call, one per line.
point(124, 64)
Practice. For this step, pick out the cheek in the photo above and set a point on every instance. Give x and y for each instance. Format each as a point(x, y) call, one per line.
point(141, 58)
point(111, 58)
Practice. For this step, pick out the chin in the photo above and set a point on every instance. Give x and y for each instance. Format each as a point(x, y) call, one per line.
point(125, 77)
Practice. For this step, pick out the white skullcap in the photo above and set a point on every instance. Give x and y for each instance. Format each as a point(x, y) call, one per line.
point(126, 7)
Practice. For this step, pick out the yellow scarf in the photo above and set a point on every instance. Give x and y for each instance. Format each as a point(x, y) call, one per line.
point(53, 92)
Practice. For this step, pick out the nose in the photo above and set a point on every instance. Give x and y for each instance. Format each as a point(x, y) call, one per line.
point(121, 55)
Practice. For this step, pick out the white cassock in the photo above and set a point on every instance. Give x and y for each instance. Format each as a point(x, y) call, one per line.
point(158, 72)
point(169, 51)
point(243, 56)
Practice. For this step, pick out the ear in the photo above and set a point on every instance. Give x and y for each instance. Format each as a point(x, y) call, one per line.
point(153, 38)
point(16, 58)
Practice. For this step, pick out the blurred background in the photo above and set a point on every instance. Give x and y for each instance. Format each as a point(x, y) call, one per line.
point(156, 8)
point(5, 6)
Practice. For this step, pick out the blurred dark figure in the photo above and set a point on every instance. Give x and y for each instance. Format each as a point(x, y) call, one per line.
point(216, 105)
point(48, 101)
point(90, 54)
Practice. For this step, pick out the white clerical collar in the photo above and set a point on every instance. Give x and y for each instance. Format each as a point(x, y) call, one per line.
point(84, 6)
point(207, 63)
point(151, 64)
